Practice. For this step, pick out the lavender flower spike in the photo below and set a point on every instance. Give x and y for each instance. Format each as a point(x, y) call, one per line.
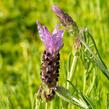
point(53, 42)
point(50, 59)
point(65, 19)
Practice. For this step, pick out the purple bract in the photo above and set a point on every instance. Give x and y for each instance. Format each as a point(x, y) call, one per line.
point(53, 42)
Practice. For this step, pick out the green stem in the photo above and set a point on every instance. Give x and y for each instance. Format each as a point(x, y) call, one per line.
point(37, 102)
point(46, 106)
point(73, 68)
point(92, 83)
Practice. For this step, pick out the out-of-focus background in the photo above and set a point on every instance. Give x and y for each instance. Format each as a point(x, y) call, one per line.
point(21, 47)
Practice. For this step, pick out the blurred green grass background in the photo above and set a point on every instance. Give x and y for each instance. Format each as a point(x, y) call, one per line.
point(21, 47)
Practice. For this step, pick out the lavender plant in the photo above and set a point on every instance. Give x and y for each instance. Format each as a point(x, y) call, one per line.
point(84, 49)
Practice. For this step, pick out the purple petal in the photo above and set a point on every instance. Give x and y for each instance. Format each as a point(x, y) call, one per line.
point(57, 42)
point(56, 29)
point(52, 43)
point(40, 30)
point(44, 35)
point(57, 38)
point(60, 33)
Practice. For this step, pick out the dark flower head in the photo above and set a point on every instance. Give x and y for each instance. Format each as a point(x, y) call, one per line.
point(53, 42)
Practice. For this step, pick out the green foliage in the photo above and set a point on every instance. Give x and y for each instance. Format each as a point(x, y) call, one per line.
point(21, 48)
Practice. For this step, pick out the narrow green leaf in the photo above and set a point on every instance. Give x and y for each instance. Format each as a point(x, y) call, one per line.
point(97, 60)
point(67, 96)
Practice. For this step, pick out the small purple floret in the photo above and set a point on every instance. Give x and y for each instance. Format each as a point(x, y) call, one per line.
point(57, 10)
point(53, 42)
